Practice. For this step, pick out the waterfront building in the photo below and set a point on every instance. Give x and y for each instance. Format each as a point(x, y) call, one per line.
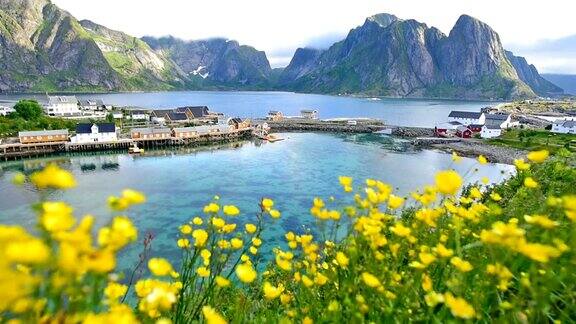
point(43, 136)
point(150, 133)
point(90, 133)
point(213, 129)
point(91, 105)
point(185, 132)
point(490, 131)
point(467, 117)
point(275, 115)
point(62, 106)
point(443, 129)
point(194, 112)
point(176, 117)
point(309, 114)
point(564, 126)
point(238, 123)
point(499, 120)
point(5, 111)
point(463, 132)
point(159, 116)
point(139, 114)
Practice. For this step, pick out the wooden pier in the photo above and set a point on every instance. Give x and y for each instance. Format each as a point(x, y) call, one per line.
point(18, 150)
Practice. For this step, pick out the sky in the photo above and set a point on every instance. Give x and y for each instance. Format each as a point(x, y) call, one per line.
point(542, 31)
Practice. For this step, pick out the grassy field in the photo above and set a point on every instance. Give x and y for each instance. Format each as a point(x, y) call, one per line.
point(536, 140)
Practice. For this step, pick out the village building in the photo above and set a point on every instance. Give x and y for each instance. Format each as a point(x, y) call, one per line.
point(91, 105)
point(117, 115)
point(467, 117)
point(463, 132)
point(445, 129)
point(139, 114)
point(150, 133)
point(175, 117)
point(239, 123)
point(185, 132)
point(490, 131)
point(564, 126)
point(5, 111)
point(194, 112)
point(275, 115)
point(213, 129)
point(500, 120)
point(90, 133)
point(43, 136)
point(475, 128)
point(158, 116)
point(63, 106)
point(309, 114)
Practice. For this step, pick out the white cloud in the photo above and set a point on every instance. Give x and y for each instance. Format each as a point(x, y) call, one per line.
point(272, 25)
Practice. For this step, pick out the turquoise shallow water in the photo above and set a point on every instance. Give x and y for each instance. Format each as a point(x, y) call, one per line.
point(403, 112)
point(179, 183)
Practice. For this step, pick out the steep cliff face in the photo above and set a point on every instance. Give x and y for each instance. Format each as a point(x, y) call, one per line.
point(529, 74)
point(389, 56)
point(216, 61)
point(45, 48)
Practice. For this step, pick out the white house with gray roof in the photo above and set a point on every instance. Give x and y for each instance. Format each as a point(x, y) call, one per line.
point(467, 117)
point(62, 106)
point(500, 120)
point(564, 126)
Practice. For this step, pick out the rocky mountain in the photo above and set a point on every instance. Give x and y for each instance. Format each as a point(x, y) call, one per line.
point(406, 58)
point(217, 61)
point(565, 81)
point(529, 74)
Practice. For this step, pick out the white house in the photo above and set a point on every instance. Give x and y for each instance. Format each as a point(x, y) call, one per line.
point(5, 111)
point(309, 114)
point(564, 126)
point(467, 117)
point(91, 105)
point(90, 133)
point(117, 115)
point(62, 106)
point(501, 120)
point(490, 131)
point(139, 115)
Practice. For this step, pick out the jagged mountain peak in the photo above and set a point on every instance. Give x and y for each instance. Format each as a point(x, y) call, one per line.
point(383, 19)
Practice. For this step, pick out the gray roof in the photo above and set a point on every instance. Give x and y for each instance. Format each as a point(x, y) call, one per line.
point(102, 128)
point(91, 102)
point(569, 123)
point(54, 100)
point(465, 114)
point(44, 132)
point(462, 128)
point(490, 126)
point(184, 129)
point(150, 130)
point(161, 112)
point(497, 116)
point(176, 116)
point(308, 111)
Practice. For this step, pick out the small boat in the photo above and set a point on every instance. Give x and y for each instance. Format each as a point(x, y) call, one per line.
point(135, 150)
point(272, 138)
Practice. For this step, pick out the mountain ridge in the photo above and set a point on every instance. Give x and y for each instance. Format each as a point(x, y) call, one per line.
point(45, 48)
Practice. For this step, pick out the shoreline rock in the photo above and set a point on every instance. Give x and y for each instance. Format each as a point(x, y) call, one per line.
point(471, 148)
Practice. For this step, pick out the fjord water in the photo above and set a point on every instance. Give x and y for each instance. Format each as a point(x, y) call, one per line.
point(401, 112)
point(178, 183)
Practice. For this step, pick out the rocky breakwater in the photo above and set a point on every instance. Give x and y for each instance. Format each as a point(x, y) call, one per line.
point(311, 125)
point(474, 148)
point(411, 132)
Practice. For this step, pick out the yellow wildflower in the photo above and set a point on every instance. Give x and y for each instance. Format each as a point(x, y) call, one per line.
point(538, 156)
point(231, 210)
point(203, 271)
point(114, 291)
point(267, 203)
point(211, 316)
point(246, 273)
point(370, 280)
point(342, 259)
point(56, 216)
point(250, 228)
point(542, 221)
point(426, 283)
point(539, 252)
point(200, 236)
point(186, 229)
point(521, 164)
point(183, 243)
point(274, 213)
point(395, 201)
point(53, 177)
point(400, 230)
point(272, 292)
point(459, 307)
point(529, 182)
point(456, 158)
point(222, 282)
point(482, 159)
point(211, 208)
point(495, 196)
point(197, 221)
point(448, 182)
point(236, 243)
point(460, 264)
point(160, 267)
